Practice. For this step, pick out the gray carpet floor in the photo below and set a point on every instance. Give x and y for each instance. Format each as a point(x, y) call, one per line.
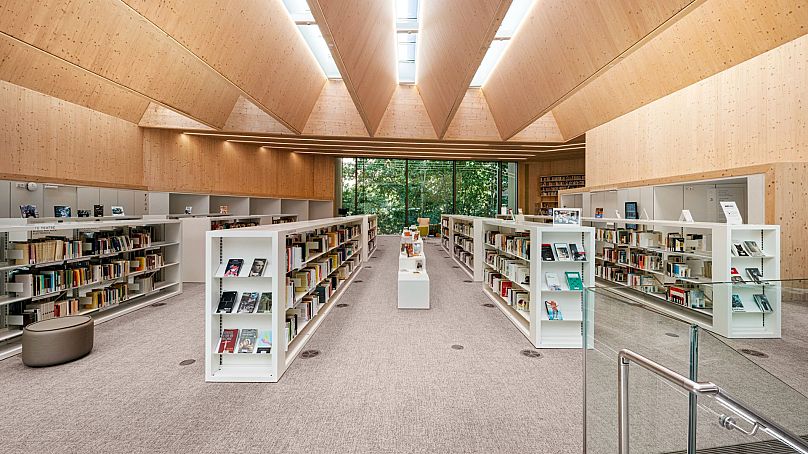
point(385, 381)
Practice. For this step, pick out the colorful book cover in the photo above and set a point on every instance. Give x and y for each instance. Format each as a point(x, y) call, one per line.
point(735, 276)
point(754, 274)
point(562, 251)
point(246, 343)
point(258, 266)
point(264, 341)
point(577, 252)
point(249, 301)
point(553, 312)
point(547, 253)
point(226, 302)
point(737, 249)
point(737, 305)
point(574, 281)
point(233, 267)
point(265, 302)
point(227, 344)
point(553, 284)
point(762, 302)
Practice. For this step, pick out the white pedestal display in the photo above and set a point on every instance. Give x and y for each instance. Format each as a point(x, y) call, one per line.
point(413, 290)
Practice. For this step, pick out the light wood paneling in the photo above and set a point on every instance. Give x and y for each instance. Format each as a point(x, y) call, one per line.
point(335, 113)
point(247, 117)
point(790, 206)
point(713, 37)
point(253, 44)
point(48, 139)
point(560, 45)
point(180, 162)
point(455, 34)
point(545, 129)
point(530, 172)
point(362, 36)
point(110, 39)
point(27, 66)
point(157, 116)
point(406, 116)
point(473, 119)
point(749, 114)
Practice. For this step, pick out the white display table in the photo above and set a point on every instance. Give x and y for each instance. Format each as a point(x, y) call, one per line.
point(413, 290)
point(411, 263)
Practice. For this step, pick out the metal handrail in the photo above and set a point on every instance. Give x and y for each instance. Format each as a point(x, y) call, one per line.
point(626, 357)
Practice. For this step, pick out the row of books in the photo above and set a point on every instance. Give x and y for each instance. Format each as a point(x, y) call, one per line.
point(514, 270)
point(514, 243)
point(688, 297)
point(464, 228)
point(515, 297)
point(250, 303)
point(321, 277)
point(247, 340)
point(45, 310)
point(109, 242)
point(649, 261)
point(45, 250)
point(574, 281)
point(467, 258)
point(225, 225)
point(563, 252)
point(105, 297)
point(301, 247)
point(54, 248)
point(465, 243)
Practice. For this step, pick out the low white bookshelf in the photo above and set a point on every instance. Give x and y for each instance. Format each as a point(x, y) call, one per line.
point(346, 239)
point(142, 266)
point(513, 250)
point(652, 265)
point(461, 240)
point(371, 225)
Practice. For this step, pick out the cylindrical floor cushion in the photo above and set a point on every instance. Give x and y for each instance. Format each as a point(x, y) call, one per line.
point(57, 340)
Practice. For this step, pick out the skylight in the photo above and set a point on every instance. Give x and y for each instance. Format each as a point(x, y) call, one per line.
point(301, 14)
point(510, 23)
point(406, 39)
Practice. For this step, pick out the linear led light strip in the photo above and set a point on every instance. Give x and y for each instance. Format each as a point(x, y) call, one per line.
point(359, 139)
point(410, 156)
point(349, 151)
point(284, 145)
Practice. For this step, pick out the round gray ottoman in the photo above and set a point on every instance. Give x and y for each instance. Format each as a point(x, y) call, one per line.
point(57, 340)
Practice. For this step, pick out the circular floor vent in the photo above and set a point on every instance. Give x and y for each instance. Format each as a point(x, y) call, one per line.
point(342, 305)
point(750, 352)
point(158, 304)
point(671, 334)
point(187, 362)
point(531, 353)
point(309, 353)
point(488, 305)
point(457, 347)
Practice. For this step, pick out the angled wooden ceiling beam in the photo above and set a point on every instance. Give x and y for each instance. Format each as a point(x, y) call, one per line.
point(454, 37)
point(253, 44)
point(563, 43)
point(362, 37)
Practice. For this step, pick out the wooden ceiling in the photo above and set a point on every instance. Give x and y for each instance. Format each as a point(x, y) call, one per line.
point(241, 67)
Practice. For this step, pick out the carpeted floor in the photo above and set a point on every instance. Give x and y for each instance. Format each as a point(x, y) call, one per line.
point(385, 381)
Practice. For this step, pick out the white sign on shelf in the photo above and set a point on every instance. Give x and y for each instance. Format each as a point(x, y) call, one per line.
point(686, 216)
point(732, 213)
point(566, 216)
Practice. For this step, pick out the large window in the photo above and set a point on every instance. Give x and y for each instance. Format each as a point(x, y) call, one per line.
point(400, 191)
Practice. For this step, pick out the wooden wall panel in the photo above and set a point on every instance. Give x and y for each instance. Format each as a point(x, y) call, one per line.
point(110, 39)
point(560, 45)
point(252, 43)
point(752, 113)
point(455, 34)
point(157, 116)
point(716, 35)
point(406, 116)
point(362, 36)
point(247, 117)
point(562, 163)
point(335, 113)
point(48, 139)
point(27, 66)
point(791, 214)
point(179, 162)
point(545, 129)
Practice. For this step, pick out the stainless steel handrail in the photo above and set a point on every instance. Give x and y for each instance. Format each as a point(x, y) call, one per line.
point(626, 357)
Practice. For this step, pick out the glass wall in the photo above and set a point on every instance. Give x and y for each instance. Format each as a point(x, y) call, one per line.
point(399, 191)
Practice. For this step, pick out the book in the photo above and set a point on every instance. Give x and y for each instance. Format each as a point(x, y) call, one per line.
point(29, 211)
point(738, 250)
point(258, 266)
point(233, 267)
point(577, 252)
point(226, 302)
point(574, 281)
point(553, 283)
point(84, 213)
point(562, 251)
point(249, 301)
point(598, 212)
point(737, 306)
point(752, 248)
point(547, 253)
point(263, 343)
point(735, 276)
point(754, 274)
point(61, 211)
point(227, 343)
point(265, 302)
point(117, 211)
point(762, 302)
point(98, 211)
point(246, 342)
point(553, 313)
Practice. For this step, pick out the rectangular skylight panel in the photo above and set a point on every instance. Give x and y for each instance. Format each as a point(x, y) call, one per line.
point(407, 14)
point(299, 10)
point(407, 47)
point(489, 61)
point(515, 15)
point(318, 46)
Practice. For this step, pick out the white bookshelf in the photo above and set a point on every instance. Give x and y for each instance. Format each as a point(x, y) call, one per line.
point(270, 242)
point(707, 277)
point(371, 227)
point(528, 312)
point(459, 239)
point(17, 297)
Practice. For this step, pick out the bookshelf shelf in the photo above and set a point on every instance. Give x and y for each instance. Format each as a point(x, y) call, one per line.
point(19, 302)
point(517, 279)
point(301, 296)
point(550, 185)
point(459, 239)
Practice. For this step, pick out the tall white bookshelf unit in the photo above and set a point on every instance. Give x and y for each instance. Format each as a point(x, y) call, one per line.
point(509, 245)
point(639, 264)
point(270, 242)
point(128, 284)
point(371, 225)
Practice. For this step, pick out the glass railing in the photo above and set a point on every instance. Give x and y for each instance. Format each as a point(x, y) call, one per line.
point(679, 331)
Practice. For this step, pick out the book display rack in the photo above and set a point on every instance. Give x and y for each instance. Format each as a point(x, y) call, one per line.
point(719, 276)
point(101, 268)
point(536, 274)
point(550, 185)
point(268, 288)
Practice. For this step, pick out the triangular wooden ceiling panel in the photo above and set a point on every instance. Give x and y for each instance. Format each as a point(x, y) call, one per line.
point(253, 44)
point(455, 34)
point(335, 113)
point(544, 129)
point(406, 116)
point(111, 40)
point(560, 45)
point(247, 117)
point(157, 116)
point(29, 67)
point(362, 36)
point(473, 120)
